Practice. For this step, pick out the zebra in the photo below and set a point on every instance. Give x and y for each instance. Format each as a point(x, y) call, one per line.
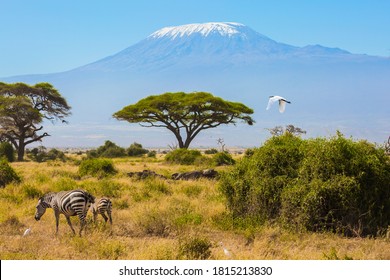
point(102, 206)
point(69, 203)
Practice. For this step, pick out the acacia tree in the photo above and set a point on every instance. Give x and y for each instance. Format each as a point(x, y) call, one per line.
point(22, 110)
point(279, 130)
point(185, 114)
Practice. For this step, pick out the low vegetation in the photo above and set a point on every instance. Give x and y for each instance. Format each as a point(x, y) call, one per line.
point(223, 158)
point(7, 151)
point(288, 199)
point(7, 174)
point(112, 150)
point(183, 156)
point(41, 154)
point(97, 167)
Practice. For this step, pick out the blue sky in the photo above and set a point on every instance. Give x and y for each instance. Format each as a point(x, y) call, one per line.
point(45, 36)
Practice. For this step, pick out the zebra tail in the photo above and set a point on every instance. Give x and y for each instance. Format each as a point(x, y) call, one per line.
point(90, 197)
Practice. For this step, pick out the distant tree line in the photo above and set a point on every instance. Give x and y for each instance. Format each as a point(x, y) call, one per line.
point(112, 150)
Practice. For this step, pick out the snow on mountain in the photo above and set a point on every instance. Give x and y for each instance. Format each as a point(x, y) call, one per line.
point(205, 29)
point(206, 44)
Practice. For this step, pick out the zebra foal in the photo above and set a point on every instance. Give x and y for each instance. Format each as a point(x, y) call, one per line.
point(68, 203)
point(102, 206)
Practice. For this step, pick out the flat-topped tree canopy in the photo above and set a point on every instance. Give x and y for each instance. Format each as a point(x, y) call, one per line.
point(185, 114)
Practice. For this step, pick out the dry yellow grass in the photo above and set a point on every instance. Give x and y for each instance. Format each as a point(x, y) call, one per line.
point(152, 220)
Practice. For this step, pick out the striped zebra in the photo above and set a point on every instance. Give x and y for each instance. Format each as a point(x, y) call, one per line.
point(69, 203)
point(102, 206)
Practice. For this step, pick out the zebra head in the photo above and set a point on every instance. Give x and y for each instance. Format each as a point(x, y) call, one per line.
point(43, 203)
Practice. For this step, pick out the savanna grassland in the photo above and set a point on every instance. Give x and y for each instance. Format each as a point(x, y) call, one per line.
point(153, 219)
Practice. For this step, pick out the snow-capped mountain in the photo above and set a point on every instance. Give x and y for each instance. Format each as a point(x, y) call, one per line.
point(329, 88)
point(206, 44)
point(206, 29)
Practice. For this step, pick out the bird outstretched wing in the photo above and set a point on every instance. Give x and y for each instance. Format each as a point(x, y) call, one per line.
point(281, 100)
point(271, 101)
point(282, 105)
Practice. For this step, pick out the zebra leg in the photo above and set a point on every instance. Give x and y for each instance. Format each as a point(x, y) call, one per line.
point(109, 216)
point(104, 216)
point(57, 215)
point(95, 214)
point(82, 223)
point(70, 224)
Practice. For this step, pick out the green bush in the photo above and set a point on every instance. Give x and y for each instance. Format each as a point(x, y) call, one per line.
point(335, 184)
point(7, 151)
point(32, 192)
point(54, 154)
point(223, 158)
point(136, 150)
point(97, 167)
point(212, 151)
point(254, 185)
point(7, 174)
point(249, 152)
point(195, 248)
point(152, 154)
point(41, 154)
point(154, 223)
point(108, 150)
point(183, 156)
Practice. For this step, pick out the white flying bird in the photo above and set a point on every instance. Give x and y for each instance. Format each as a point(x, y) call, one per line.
point(282, 102)
point(27, 232)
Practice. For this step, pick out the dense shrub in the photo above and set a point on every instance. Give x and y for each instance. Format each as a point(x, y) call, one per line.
point(155, 222)
point(183, 156)
point(249, 152)
point(41, 154)
point(334, 184)
point(212, 151)
point(223, 158)
point(152, 154)
point(108, 150)
point(32, 192)
point(254, 185)
point(7, 151)
point(195, 248)
point(97, 167)
point(136, 150)
point(7, 174)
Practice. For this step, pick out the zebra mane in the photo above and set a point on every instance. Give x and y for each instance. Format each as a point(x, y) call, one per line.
point(47, 198)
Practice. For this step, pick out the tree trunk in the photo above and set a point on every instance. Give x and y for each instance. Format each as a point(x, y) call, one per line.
point(186, 145)
point(179, 139)
point(21, 151)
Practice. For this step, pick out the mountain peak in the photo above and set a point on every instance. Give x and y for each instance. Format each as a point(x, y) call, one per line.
point(204, 29)
point(205, 44)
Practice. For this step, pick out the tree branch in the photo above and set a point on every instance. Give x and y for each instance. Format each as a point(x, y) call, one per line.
point(36, 139)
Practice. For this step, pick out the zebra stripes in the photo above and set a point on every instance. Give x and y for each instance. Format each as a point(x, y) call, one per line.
point(102, 206)
point(68, 203)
